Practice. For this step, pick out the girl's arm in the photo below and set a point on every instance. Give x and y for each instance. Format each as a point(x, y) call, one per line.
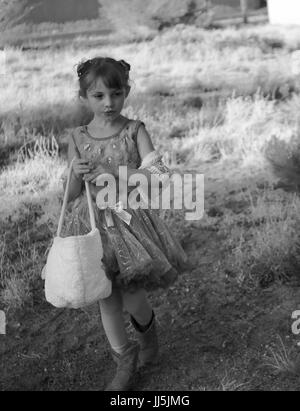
point(152, 168)
point(76, 182)
point(144, 142)
point(145, 146)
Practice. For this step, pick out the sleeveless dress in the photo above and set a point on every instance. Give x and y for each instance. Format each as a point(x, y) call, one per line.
point(141, 254)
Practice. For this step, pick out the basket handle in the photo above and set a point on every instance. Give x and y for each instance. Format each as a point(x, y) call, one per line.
point(64, 205)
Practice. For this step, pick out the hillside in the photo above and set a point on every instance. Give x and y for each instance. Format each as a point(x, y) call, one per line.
point(129, 19)
point(58, 11)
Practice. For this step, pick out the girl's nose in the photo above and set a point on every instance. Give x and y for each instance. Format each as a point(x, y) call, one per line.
point(108, 102)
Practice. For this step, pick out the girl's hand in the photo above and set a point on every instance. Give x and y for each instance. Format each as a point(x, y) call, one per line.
point(80, 167)
point(100, 169)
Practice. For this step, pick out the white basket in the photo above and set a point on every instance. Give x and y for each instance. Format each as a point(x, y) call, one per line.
point(74, 274)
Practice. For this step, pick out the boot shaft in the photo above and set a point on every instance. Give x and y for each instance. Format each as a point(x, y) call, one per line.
point(126, 368)
point(148, 342)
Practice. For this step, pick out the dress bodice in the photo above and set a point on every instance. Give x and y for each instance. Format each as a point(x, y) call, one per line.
point(120, 149)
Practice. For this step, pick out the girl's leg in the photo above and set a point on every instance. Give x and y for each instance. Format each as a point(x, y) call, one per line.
point(143, 320)
point(124, 352)
point(113, 321)
point(138, 306)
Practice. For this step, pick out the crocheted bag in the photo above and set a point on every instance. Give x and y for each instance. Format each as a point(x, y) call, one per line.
point(74, 275)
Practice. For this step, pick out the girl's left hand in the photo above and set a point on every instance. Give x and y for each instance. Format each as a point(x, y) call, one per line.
point(100, 169)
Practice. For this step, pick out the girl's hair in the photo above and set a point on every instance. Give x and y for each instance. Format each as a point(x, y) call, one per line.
point(115, 74)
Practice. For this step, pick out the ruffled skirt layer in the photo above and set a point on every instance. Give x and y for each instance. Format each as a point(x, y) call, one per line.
point(141, 254)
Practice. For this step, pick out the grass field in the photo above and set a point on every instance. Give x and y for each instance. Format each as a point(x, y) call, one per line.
point(221, 102)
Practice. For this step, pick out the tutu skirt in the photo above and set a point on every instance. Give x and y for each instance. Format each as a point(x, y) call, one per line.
point(141, 254)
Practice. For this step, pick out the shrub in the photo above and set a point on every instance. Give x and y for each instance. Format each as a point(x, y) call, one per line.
point(284, 158)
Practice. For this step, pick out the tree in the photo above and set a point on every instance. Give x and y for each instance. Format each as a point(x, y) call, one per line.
point(244, 9)
point(12, 12)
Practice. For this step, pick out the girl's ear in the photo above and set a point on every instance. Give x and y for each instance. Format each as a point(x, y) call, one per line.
point(83, 100)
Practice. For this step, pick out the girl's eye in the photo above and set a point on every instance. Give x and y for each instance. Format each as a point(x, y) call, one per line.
point(115, 94)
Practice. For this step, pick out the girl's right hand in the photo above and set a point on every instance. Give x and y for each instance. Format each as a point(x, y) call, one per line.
point(80, 167)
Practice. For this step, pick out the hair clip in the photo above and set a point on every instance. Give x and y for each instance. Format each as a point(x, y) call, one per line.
point(83, 67)
point(125, 65)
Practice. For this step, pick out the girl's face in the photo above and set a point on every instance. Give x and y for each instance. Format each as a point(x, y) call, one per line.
point(106, 103)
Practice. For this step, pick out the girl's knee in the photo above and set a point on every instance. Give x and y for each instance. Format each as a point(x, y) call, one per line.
point(133, 301)
point(139, 294)
point(111, 304)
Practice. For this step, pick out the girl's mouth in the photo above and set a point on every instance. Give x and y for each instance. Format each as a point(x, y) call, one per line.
point(109, 113)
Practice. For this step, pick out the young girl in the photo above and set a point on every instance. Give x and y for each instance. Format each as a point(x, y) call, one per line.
point(140, 254)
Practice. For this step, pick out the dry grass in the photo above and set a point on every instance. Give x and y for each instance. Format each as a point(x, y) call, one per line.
point(280, 360)
point(20, 265)
point(228, 383)
point(263, 240)
point(31, 182)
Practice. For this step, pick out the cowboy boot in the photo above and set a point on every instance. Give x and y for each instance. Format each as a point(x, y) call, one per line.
point(126, 368)
point(148, 341)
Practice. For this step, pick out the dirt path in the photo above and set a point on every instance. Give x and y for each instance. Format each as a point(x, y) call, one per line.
point(214, 335)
